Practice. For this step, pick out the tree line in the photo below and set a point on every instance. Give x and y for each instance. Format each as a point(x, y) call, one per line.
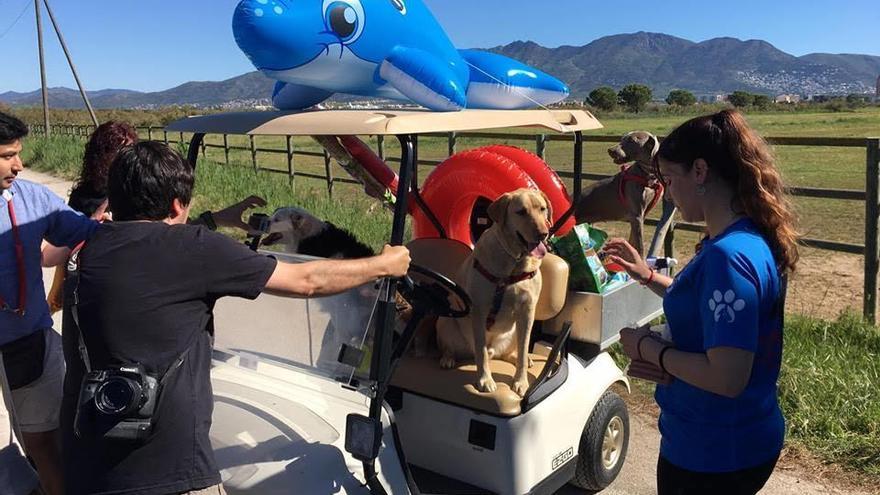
point(635, 98)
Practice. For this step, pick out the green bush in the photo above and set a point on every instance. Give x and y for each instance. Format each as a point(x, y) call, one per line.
point(635, 97)
point(681, 98)
point(603, 98)
point(741, 99)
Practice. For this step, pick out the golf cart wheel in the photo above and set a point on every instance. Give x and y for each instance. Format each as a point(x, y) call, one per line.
point(603, 444)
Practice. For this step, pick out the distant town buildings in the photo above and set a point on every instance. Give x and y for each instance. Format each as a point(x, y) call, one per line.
point(788, 99)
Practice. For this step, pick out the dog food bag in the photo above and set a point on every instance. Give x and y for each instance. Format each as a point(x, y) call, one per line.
point(578, 248)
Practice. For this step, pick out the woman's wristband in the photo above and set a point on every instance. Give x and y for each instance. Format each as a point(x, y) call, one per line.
point(649, 279)
point(660, 359)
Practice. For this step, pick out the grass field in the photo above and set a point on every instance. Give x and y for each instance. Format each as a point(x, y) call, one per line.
point(828, 389)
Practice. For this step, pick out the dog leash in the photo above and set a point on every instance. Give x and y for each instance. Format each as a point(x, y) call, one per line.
point(500, 284)
point(20, 267)
point(627, 176)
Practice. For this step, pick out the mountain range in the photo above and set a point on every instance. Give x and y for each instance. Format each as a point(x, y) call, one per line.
point(661, 61)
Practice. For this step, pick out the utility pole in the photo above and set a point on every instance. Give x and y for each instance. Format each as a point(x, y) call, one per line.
point(82, 91)
point(42, 68)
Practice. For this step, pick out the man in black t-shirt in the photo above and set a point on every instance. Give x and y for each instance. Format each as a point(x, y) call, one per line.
point(146, 290)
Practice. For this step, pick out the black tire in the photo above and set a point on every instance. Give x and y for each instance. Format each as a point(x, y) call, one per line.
point(609, 415)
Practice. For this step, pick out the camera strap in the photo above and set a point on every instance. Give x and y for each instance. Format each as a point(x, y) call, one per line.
point(73, 273)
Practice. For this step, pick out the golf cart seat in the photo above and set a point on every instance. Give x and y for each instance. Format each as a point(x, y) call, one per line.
point(424, 376)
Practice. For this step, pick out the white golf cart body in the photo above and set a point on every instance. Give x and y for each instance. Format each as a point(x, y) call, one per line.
point(282, 398)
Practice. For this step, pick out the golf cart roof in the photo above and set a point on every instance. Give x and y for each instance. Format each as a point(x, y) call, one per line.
point(382, 122)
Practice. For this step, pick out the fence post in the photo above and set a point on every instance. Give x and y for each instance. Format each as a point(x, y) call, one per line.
point(149, 133)
point(253, 151)
point(540, 145)
point(380, 142)
point(165, 136)
point(872, 215)
point(453, 142)
point(329, 173)
point(226, 148)
point(291, 173)
point(204, 149)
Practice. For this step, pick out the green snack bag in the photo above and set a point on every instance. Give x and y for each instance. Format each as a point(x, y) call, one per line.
point(578, 248)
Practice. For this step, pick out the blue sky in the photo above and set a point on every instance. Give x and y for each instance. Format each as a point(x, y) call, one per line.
point(151, 45)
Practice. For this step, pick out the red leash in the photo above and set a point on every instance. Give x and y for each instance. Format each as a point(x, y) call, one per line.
point(627, 176)
point(19, 259)
point(500, 284)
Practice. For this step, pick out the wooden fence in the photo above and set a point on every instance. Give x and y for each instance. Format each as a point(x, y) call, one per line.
point(870, 196)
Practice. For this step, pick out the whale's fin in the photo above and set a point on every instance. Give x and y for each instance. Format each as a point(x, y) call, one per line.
point(289, 96)
point(423, 78)
point(500, 82)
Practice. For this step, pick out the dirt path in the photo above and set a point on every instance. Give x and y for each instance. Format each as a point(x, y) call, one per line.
point(825, 285)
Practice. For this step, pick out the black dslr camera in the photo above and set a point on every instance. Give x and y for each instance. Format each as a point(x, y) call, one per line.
point(116, 404)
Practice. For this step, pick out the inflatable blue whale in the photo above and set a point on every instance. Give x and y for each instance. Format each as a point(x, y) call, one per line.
point(379, 48)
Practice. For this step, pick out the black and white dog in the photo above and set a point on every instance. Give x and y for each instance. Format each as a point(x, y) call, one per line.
point(296, 230)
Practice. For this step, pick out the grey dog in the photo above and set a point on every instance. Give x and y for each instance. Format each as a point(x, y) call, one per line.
point(629, 194)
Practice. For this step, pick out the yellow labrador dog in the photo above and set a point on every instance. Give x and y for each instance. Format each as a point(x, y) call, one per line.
point(503, 280)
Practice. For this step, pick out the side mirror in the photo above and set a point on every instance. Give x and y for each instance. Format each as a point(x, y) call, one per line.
point(363, 437)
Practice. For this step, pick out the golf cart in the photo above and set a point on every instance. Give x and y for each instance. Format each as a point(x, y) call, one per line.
point(320, 396)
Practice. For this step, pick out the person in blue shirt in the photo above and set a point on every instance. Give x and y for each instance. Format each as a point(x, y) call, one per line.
point(721, 426)
point(31, 349)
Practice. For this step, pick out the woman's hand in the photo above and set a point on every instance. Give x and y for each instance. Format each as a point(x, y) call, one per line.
point(648, 371)
point(621, 252)
point(630, 338)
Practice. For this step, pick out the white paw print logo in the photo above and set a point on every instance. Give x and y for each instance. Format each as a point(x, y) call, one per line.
point(726, 303)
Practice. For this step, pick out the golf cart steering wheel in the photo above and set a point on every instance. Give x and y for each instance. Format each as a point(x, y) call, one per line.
point(434, 293)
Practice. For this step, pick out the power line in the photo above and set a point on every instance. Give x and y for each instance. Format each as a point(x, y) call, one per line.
point(27, 4)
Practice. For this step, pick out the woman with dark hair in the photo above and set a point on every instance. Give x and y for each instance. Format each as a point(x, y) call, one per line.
point(90, 190)
point(721, 425)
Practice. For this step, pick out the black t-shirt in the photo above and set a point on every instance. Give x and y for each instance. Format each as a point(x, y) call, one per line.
point(146, 293)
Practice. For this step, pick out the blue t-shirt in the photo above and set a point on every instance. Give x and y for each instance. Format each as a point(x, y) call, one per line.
point(40, 214)
point(725, 297)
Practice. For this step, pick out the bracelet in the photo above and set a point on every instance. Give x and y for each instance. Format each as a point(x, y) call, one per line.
point(650, 278)
point(208, 219)
point(660, 359)
point(639, 345)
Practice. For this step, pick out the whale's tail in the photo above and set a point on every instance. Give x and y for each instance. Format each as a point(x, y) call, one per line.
point(501, 82)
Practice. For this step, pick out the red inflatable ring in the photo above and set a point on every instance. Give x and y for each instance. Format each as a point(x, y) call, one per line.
point(545, 177)
point(452, 189)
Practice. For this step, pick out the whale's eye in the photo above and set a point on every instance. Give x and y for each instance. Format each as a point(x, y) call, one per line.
point(399, 5)
point(344, 18)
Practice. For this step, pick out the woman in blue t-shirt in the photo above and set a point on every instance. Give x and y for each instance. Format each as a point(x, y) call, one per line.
point(721, 426)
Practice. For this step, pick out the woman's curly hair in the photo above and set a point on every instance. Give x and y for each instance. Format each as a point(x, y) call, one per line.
point(103, 145)
point(743, 160)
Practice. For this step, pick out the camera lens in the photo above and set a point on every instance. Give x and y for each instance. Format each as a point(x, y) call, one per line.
point(118, 396)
